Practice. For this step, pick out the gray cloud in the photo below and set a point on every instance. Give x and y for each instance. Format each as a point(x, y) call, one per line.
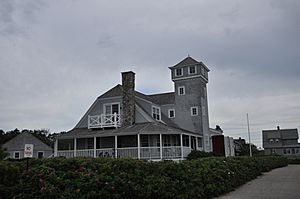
point(56, 57)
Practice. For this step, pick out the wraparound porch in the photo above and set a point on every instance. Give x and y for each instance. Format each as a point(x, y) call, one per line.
point(140, 146)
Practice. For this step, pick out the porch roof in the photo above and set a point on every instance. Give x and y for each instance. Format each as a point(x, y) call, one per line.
point(141, 128)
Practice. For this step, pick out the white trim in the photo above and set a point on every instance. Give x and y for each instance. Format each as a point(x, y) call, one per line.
point(159, 112)
point(178, 90)
point(175, 72)
point(37, 154)
point(189, 77)
point(197, 110)
point(189, 70)
point(18, 153)
point(169, 111)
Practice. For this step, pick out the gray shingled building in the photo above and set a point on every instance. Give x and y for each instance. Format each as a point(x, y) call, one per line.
point(281, 142)
point(126, 123)
point(15, 146)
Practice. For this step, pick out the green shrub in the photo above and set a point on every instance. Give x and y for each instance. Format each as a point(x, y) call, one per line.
point(199, 154)
point(294, 160)
point(129, 178)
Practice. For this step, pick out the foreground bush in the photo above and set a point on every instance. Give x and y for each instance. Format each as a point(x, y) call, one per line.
point(128, 178)
point(199, 154)
point(294, 160)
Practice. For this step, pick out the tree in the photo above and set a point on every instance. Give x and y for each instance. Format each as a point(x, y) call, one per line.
point(3, 154)
point(245, 150)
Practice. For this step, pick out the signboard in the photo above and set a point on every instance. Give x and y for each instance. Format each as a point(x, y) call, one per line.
point(28, 151)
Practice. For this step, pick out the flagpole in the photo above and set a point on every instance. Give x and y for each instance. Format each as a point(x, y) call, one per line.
point(250, 149)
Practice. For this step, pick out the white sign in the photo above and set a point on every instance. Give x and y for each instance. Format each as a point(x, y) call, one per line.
point(28, 151)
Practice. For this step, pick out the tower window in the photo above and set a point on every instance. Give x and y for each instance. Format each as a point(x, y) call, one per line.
point(171, 113)
point(178, 72)
point(192, 70)
point(156, 113)
point(181, 90)
point(194, 111)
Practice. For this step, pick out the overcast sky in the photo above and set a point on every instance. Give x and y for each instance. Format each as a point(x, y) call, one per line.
point(56, 57)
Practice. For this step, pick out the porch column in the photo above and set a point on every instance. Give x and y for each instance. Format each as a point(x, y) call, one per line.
point(95, 155)
point(75, 146)
point(116, 146)
point(197, 144)
point(160, 145)
point(139, 146)
point(190, 140)
point(55, 147)
point(181, 145)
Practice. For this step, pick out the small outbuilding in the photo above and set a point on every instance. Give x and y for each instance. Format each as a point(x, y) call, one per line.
point(16, 146)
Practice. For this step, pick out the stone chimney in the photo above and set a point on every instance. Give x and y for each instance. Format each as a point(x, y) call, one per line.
point(128, 79)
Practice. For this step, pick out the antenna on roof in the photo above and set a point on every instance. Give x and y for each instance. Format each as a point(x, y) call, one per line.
point(188, 55)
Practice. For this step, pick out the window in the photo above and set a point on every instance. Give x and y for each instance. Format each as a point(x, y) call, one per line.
point(156, 113)
point(171, 113)
point(178, 72)
point(17, 155)
point(271, 140)
point(111, 108)
point(40, 154)
point(181, 90)
point(194, 111)
point(277, 140)
point(192, 70)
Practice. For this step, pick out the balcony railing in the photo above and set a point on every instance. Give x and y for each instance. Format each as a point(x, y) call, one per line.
point(104, 120)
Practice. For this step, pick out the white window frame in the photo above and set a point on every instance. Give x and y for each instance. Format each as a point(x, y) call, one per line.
point(18, 153)
point(159, 112)
point(195, 70)
point(179, 87)
point(37, 155)
point(176, 72)
point(113, 103)
point(169, 113)
point(197, 110)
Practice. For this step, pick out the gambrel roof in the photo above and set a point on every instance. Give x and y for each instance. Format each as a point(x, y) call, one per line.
point(160, 99)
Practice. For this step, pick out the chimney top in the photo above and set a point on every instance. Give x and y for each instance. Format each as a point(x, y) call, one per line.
point(278, 128)
point(127, 72)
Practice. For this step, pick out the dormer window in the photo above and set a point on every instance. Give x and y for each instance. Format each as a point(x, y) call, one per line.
point(271, 140)
point(178, 72)
point(156, 113)
point(192, 70)
point(277, 140)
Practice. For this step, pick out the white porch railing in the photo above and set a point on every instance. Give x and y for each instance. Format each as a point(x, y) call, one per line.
point(108, 152)
point(85, 153)
point(104, 120)
point(66, 153)
point(150, 153)
point(171, 152)
point(127, 152)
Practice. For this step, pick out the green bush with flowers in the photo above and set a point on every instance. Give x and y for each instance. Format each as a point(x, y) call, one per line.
point(129, 178)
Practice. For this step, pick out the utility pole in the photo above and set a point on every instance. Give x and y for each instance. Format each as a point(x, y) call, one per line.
point(250, 149)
